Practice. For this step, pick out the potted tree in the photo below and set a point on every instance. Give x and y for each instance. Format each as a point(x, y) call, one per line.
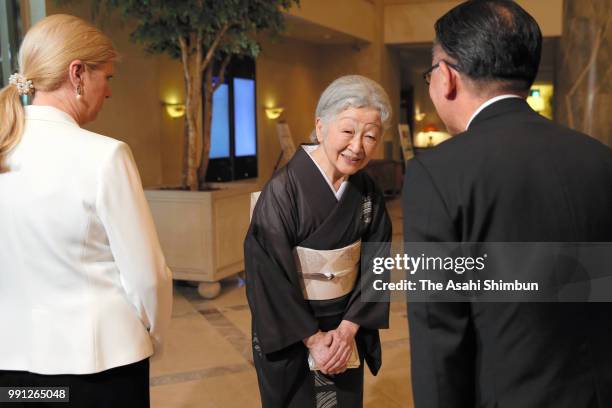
point(201, 232)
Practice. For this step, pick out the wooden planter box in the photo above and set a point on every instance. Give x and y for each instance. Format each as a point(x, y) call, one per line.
point(202, 233)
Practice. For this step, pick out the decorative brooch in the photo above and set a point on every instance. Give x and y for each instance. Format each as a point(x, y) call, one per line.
point(24, 85)
point(366, 213)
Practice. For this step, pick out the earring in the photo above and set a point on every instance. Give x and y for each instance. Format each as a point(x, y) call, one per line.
point(79, 92)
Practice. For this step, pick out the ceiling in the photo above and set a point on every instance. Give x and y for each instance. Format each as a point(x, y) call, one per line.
point(304, 30)
point(391, 2)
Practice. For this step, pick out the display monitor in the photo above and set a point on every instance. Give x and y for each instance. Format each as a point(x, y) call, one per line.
point(245, 128)
point(220, 131)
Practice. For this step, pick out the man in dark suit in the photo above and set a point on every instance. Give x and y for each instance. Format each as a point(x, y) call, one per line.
point(507, 175)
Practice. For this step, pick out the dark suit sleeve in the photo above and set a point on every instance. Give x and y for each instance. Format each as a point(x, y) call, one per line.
point(441, 334)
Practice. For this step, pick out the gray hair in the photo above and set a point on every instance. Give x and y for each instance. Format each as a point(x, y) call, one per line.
point(353, 91)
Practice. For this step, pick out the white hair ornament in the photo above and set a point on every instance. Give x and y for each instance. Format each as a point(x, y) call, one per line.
point(24, 85)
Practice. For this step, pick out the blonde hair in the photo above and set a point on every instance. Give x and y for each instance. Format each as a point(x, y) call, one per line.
point(44, 57)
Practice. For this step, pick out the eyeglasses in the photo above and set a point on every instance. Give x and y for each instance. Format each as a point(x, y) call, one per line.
point(427, 74)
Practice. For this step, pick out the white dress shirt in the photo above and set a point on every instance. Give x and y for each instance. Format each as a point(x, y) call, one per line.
point(487, 103)
point(84, 286)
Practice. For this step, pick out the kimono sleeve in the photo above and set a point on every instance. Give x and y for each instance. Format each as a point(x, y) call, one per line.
point(281, 316)
point(372, 314)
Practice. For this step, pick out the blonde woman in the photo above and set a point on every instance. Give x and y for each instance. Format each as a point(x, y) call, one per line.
point(85, 293)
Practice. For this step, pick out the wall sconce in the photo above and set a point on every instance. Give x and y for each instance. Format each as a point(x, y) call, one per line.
point(535, 100)
point(274, 113)
point(430, 137)
point(418, 115)
point(540, 98)
point(174, 110)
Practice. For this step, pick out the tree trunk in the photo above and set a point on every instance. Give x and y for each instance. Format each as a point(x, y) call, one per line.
point(209, 90)
point(195, 65)
point(206, 125)
point(192, 134)
point(193, 108)
point(184, 166)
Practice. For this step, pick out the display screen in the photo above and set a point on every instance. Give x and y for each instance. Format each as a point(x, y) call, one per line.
point(245, 129)
point(220, 132)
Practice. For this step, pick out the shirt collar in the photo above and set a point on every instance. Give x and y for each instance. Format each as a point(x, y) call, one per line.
point(48, 113)
point(487, 103)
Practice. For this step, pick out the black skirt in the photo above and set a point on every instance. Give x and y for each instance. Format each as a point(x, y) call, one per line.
point(125, 386)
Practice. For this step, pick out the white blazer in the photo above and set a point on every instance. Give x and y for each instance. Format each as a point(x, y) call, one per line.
point(84, 286)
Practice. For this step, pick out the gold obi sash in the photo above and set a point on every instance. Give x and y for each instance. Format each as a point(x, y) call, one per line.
point(327, 274)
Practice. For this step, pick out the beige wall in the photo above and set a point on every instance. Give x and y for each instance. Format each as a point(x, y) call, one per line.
point(171, 89)
point(290, 74)
point(132, 113)
point(413, 23)
point(548, 14)
point(352, 17)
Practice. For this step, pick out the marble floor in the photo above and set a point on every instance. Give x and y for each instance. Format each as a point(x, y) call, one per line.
point(207, 361)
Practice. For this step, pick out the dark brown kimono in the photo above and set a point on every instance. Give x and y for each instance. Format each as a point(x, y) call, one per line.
point(298, 208)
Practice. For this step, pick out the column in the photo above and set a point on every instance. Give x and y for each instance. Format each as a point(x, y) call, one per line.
point(584, 70)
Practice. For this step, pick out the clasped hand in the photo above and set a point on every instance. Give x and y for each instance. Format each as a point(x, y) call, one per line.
point(332, 350)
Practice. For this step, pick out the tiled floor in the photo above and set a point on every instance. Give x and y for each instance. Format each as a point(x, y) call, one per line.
point(207, 360)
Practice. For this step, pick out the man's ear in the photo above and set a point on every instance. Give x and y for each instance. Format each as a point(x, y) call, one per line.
point(75, 72)
point(449, 80)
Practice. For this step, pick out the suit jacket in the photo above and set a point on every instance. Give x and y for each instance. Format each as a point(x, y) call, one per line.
point(84, 286)
point(513, 176)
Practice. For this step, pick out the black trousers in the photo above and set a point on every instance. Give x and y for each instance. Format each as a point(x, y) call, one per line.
point(126, 386)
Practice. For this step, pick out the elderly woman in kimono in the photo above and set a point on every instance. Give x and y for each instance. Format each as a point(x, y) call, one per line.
point(311, 329)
